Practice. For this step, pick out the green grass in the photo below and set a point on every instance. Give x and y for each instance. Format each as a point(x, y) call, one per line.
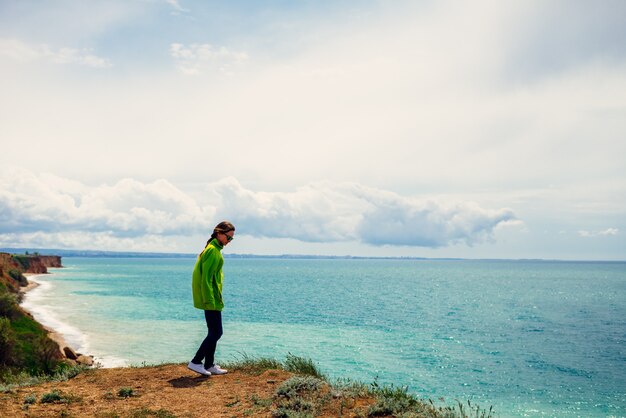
point(395, 401)
point(11, 381)
point(8, 304)
point(30, 399)
point(126, 392)
point(303, 366)
point(56, 396)
point(24, 343)
point(253, 365)
point(300, 396)
point(257, 365)
point(304, 395)
point(297, 385)
point(51, 397)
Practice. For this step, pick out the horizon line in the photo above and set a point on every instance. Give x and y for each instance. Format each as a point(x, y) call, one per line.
point(158, 254)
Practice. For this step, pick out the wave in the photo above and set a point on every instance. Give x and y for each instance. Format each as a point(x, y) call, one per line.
point(36, 302)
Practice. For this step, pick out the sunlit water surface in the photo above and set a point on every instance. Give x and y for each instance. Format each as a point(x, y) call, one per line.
point(531, 338)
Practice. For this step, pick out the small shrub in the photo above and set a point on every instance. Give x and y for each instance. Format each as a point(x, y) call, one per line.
point(351, 388)
point(11, 380)
point(63, 372)
point(66, 371)
point(295, 408)
point(252, 365)
point(51, 397)
point(394, 401)
point(298, 385)
point(126, 392)
point(299, 397)
point(300, 365)
point(7, 343)
point(58, 397)
point(256, 401)
point(8, 305)
point(30, 399)
point(46, 353)
point(18, 277)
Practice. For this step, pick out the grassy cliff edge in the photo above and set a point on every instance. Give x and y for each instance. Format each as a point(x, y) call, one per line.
point(253, 387)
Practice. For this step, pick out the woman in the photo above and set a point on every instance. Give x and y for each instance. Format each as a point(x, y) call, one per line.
point(207, 295)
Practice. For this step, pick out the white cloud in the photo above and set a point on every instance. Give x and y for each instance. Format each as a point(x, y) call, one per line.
point(104, 241)
point(30, 203)
point(603, 233)
point(326, 211)
point(491, 101)
point(23, 52)
point(429, 224)
point(197, 58)
point(318, 212)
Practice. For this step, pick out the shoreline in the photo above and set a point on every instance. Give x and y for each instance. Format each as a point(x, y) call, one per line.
point(55, 335)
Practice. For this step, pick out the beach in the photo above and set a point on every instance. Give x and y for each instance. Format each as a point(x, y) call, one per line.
point(57, 331)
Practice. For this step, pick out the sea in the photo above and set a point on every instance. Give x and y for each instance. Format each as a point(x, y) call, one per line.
point(528, 338)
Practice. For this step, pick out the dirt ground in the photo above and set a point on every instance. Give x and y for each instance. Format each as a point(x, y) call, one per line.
point(159, 391)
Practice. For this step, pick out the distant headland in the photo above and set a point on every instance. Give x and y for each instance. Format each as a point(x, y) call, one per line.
point(138, 254)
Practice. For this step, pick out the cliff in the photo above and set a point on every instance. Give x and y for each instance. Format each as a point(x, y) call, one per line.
point(37, 264)
point(25, 345)
point(13, 267)
point(11, 272)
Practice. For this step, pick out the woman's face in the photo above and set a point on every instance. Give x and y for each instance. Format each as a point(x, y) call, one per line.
point(225, 237)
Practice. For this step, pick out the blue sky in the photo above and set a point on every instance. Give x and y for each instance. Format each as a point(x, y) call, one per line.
point(437, 129)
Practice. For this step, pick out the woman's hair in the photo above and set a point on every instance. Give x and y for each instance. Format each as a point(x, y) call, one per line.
point(222, 227)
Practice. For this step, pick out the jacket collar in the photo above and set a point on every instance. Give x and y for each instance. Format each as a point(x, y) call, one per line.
point(216, 244)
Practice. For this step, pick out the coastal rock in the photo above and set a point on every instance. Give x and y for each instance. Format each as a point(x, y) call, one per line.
point(86, 360)
point(69, 353)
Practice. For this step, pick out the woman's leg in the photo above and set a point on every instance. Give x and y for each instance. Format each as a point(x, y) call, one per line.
point(206, 351)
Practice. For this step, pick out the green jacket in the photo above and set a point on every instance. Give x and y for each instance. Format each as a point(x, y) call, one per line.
point(207, 278)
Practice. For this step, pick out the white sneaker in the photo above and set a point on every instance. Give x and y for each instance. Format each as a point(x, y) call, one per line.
point(198, 368)
point(216, 369)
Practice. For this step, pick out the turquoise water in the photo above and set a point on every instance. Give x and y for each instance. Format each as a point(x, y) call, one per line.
point(530, 338)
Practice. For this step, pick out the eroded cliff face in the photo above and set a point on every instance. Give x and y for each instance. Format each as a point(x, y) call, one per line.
point(10, 271)
point(13, 267)
point(32, 351)
point(39, 264)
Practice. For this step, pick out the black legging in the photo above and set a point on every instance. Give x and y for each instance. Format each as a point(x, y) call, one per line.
point(206, 351)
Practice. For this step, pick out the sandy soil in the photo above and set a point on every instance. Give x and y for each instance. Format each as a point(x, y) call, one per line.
point(169, 389)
